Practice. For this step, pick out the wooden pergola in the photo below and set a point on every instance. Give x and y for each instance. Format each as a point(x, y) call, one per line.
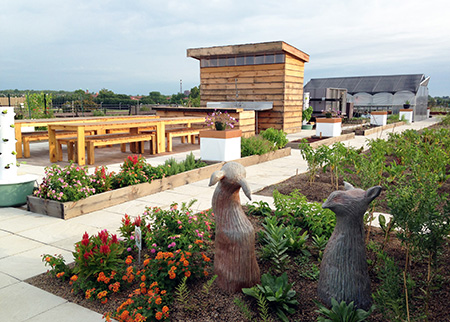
point(263, 72)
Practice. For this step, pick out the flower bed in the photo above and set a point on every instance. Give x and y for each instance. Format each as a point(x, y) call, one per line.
point(92, 202)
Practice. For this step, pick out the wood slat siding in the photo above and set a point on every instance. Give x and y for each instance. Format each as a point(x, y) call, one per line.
point(281, 84)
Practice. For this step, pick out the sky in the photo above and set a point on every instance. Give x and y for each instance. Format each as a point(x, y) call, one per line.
point(138, 46)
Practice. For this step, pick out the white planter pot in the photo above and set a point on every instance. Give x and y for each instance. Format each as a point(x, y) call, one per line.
point(220, 145)
point(407, 114)
point(378, 118)
point(328, 127)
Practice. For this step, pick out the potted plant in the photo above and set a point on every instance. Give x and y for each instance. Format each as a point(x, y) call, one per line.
point(406, 105)
point(330, 125)
point(223, 141)
point(13, 188)
point(306, 116)
point(220, 121)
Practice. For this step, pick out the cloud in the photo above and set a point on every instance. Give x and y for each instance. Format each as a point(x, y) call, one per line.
point(143, 43)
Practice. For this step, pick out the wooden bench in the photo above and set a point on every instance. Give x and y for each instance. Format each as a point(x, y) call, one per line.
point(106, 140)
point(120, 139)
point(185, 133)
point(27, 137)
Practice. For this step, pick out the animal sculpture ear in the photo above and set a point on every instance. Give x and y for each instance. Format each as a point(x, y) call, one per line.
point(245, 187)
point(348, 186)
point(216, 177)
point(373, 192)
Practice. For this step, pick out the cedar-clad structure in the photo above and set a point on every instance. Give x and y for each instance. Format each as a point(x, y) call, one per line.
point(262, 72)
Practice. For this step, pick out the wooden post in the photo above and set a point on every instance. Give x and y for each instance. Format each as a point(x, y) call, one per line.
point(234, 261)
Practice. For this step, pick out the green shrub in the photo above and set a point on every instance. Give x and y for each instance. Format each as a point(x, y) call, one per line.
point(255, 145)
point(342, 312)
point(259, 208)
point(277, 137)
point(278, 292)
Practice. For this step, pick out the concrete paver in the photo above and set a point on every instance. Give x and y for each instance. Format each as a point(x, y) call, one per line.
point(25, 236)
point(21, 302)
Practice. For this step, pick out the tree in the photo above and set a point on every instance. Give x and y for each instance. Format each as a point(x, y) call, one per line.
point(194, 96)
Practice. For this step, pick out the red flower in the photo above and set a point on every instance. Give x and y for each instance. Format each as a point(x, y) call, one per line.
point(104, 249)
point(137, 221)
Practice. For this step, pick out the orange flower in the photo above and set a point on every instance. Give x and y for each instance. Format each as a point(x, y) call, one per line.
point(163, 292)
point(104, 300)
point(74, 278)
point(47, 259)
point(102, 294)
point(205, 273)
point(143, 278)
point(114, 287)
point(154, 284)
point(187, 274)
point(101, 277)
point(124, 315)
point(129, 260)
point(60, 275)
point(146, 262)
point(165, 309)
point(158, 301)
point(158, 315)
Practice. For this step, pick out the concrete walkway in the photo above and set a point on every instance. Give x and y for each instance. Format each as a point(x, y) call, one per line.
point(25, 236)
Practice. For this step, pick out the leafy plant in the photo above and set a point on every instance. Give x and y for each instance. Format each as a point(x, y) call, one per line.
point(308, 269)
point(255, 145)
point(314, 159)
point(307, 113)
point(97, 253)
point(263, 307)
point(319, 243)
point(259, 208)
point(278, 292)
point(389, 296)
point(182, 293)
point(58, 267)
point(275, 248)
point(277, 137)
point(207, 286)
point(341, 312)
point(243, 308)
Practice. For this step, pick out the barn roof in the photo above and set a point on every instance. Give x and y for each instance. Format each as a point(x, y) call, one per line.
point(369, 84)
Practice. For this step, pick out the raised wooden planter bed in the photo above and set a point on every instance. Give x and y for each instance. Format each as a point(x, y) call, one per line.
point(379, 128)
point(70, 209)
point(323, 141)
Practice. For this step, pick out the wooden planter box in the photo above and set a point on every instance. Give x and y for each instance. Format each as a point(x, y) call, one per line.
point(327, 141)
point(70, 209)
point(381, 128)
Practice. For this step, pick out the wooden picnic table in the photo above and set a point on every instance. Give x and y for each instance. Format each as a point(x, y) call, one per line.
point(19, 124)
point(133, 126)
